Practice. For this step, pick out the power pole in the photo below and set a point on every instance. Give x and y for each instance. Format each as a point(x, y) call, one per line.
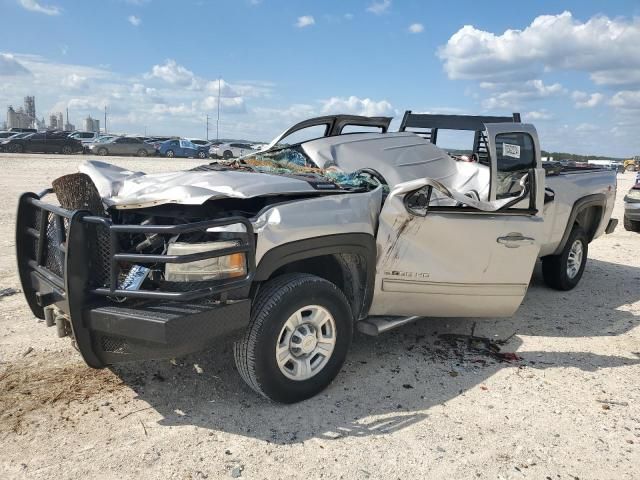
point(207, 127)
point(105, 119)
point(218, 118)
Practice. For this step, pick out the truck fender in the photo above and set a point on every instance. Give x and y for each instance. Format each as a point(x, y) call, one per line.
point(595, 200)
point(342, 246)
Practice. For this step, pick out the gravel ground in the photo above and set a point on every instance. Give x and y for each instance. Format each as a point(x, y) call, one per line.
point(406, 405)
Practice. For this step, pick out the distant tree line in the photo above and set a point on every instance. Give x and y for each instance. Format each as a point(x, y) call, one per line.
point(575, 157)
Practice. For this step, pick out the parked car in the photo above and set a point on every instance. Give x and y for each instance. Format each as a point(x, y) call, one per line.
point(15, 135)
point(632, 208)
point(230, 150)
point(200, 142)
point(122, 146)
point(44, 142)
point(294, 250)
point(22, 130)
point(182, 148)
point(85, 137)
point(7, 134)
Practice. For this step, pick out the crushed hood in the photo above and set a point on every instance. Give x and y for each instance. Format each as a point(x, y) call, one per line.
point(121, 188)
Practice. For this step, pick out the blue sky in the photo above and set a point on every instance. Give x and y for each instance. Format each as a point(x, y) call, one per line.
point(572, 68)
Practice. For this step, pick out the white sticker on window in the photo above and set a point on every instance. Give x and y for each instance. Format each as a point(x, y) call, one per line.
point(509, 150)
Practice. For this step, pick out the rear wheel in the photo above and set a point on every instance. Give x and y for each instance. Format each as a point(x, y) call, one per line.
point(300, 331)
point(631, 225)
point(142, 152)
point(563, 271)
point(227, 154)
point(67, 150)
point(170, 153)
point(17, 148)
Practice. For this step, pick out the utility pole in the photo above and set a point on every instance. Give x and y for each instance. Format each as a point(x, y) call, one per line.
point(207, 127)
point(105, 119)
point(218, 118)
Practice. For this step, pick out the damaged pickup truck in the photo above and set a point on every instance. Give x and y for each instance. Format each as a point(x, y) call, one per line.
point(294, 247)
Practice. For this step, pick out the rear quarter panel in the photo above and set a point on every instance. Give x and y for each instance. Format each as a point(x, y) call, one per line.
point(569, 188)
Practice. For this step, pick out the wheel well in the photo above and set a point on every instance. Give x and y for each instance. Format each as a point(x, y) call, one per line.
point(347, 271)
point(589, 219)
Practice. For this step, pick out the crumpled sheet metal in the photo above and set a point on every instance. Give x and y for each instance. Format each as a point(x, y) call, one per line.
point(121, 188)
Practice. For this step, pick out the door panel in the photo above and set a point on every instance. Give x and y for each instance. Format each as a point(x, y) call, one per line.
point(453, 264)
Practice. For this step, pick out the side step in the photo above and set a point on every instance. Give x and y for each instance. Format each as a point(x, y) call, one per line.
point(376, 325)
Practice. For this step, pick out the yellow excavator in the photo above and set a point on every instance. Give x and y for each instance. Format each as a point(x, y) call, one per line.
point(632, 165)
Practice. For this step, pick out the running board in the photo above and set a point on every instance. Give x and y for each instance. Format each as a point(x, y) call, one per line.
point(376, 325)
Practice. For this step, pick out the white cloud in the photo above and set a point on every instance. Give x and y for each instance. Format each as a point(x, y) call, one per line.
point(305, 21)
point(379, 7)
point(173, 73)
point(133, 20)
point(11, 67)
point(34, 6)
point(357, 106)
point(74, 82)
point(626, 100)
point(537, 115)
point(585, 100)
point(604, 48)
point(416, 28)
point(516, 95)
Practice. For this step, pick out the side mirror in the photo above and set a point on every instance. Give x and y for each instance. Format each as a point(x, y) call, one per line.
point(417, 202)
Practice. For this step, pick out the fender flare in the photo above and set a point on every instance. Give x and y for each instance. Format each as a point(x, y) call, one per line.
point(361, 244)
point(594, 200)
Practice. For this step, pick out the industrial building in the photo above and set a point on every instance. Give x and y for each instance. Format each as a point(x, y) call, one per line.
point(91, 124)
point(23, 117)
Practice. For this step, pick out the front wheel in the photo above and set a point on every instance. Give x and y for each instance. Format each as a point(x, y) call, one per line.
point(67, 150)
point(103, 152)
point(563, 271)
point(300, 331)
point(631, 225)
point(202, 155)
point(228, 154)
point(17, 148)
point(142, 152)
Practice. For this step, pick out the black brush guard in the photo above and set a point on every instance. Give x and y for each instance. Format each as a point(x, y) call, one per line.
point(71, 260)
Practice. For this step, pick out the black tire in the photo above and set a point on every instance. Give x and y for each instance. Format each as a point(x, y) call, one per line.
point(554, 267)
point(202, 155)
point(631, 225)
point(103, 152)
point(142, 153)
point(170, 154)
point(17, 148)
point(276, 301)
point(67, 150)
point(227, 154)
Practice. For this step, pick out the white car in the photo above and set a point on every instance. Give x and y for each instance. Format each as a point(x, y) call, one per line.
point(230, 150)
point(85, 137)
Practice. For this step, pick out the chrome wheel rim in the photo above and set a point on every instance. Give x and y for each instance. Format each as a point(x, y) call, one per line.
point(306, 343)
point(574, 261)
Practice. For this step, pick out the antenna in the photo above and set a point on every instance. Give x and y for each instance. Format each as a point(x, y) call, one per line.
point(218, 118)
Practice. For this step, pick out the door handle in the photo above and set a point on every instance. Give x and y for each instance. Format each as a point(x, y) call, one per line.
point(514, 240)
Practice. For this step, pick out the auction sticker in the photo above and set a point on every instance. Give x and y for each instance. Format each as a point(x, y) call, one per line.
point(509, 150)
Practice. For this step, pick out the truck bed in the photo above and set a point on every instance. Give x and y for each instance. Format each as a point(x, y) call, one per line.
point(569, 185)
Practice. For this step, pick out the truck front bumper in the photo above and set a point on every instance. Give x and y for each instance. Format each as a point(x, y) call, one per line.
point(71, 277)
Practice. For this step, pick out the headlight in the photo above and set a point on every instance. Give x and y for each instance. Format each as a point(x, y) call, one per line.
point(229, 266)
point(634, 194)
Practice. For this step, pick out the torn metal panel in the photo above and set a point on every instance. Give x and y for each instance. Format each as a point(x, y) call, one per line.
point(122, 188)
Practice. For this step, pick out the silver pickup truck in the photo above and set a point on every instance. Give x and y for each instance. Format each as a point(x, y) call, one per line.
point(337, 224)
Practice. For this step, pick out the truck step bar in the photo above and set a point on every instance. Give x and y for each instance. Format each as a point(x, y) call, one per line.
point(374, 326)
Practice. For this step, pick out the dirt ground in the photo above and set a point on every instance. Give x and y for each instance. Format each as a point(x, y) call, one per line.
point(406, 405)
